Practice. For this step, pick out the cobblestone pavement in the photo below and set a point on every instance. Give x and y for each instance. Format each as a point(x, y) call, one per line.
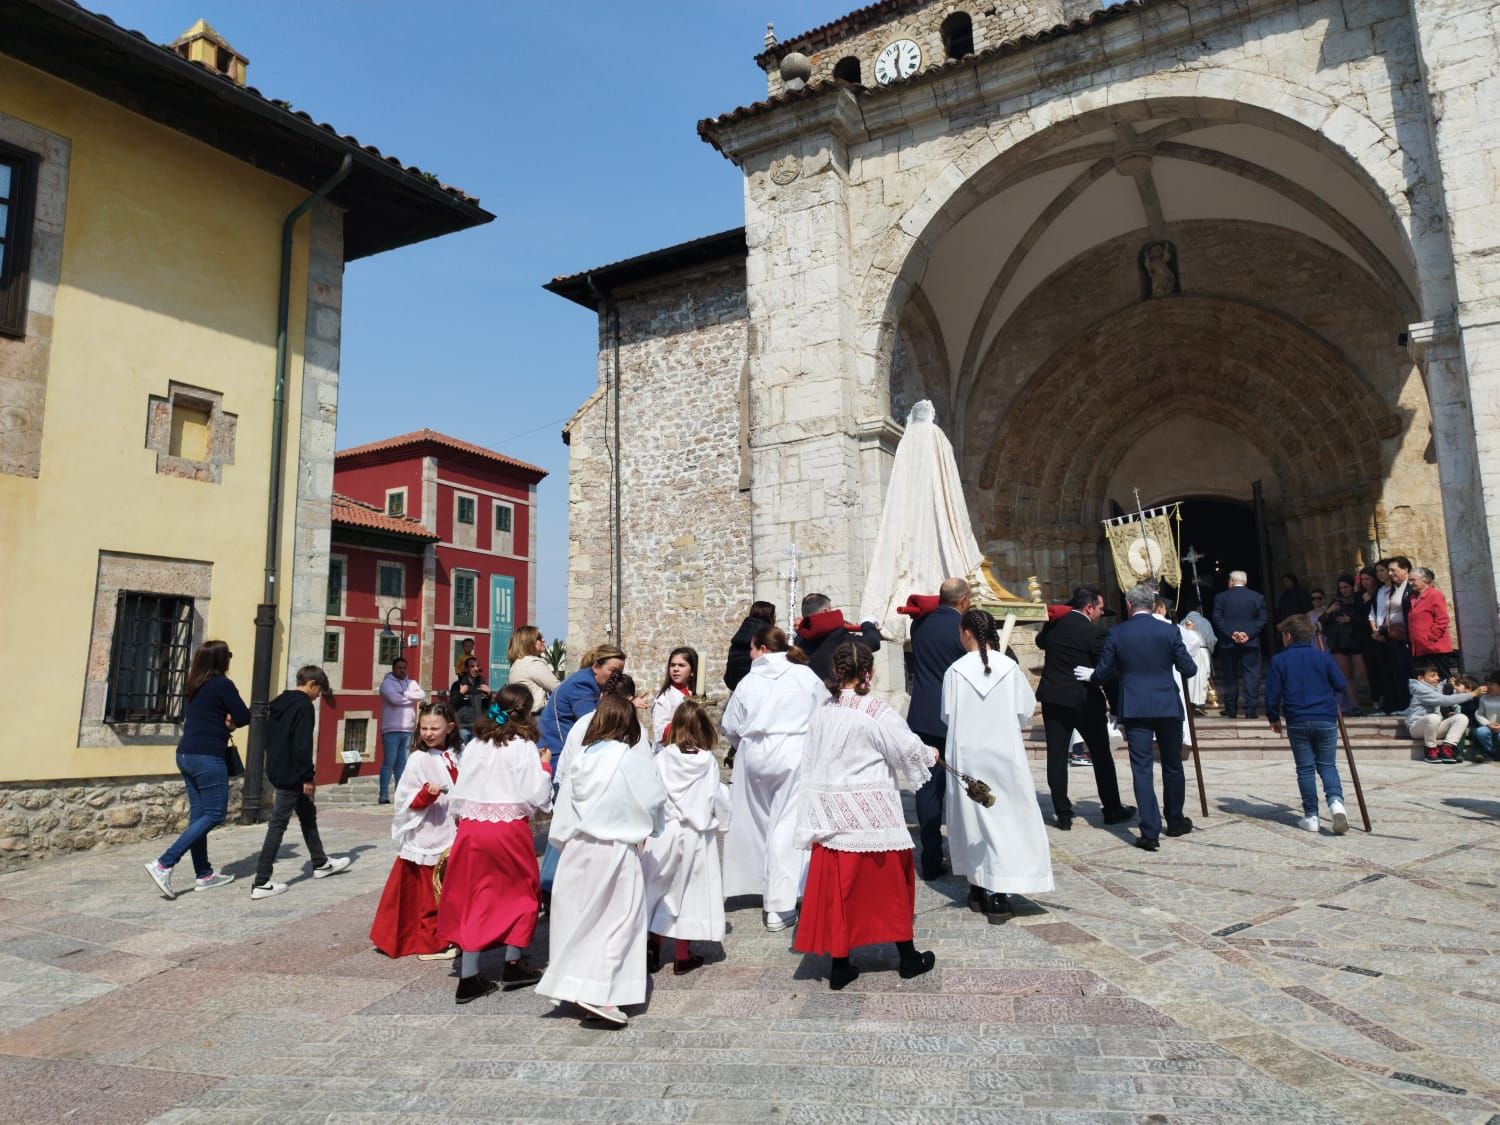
point(1249, 970)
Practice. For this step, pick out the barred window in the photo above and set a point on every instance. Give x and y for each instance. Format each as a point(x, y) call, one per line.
point(355, 734)
point(389, 650)
point(148, 658)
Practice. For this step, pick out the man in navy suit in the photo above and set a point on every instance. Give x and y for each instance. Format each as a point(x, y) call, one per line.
point(935, 645)
point(1239, 617)
point(1141, 654)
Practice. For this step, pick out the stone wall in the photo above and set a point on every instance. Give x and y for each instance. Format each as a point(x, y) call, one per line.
point(43, 819)
point(686, 521)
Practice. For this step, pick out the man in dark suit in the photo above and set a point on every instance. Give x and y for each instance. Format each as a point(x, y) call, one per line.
point(1068, 705)
point(1141, 654)
point(822, 629)
point(1239, 617)
point(935, 645)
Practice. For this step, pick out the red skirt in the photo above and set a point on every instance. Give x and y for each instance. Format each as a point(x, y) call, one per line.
point(856, 898)
point(492, 888)
point(406, 919)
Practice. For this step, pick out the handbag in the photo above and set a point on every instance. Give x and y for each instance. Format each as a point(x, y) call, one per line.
point(233, 761)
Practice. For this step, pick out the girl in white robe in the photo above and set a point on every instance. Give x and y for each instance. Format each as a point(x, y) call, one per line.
point(767, 721)
point(987, 704)
point(606, 807)
point(681, 684)
point(684, 883)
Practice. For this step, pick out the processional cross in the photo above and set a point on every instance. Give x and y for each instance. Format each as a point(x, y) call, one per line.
point(792, 575)
point(1193, 558)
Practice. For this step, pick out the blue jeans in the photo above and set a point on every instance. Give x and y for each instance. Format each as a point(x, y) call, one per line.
point(393, 744)
point(207, 780)
point(1486, 740)
point(1315, 749)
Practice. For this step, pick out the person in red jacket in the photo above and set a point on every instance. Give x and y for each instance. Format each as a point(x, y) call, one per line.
point(1427, 624)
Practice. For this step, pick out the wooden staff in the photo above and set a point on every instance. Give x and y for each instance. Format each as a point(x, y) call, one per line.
point(1359, 794)
point(1197, 762)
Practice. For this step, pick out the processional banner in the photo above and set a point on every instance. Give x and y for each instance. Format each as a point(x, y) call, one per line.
point(1144, 547)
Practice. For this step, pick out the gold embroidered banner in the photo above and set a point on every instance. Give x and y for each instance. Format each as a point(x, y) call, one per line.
point(1144, 547)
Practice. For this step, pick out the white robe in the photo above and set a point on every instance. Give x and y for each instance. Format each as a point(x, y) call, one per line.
point(684, 878)
point(1003, 848)
point(767, 721)
point(423, 835)
point(573, 744)
point(1182, 698)
point(662, 711)
point(606, 807)
point(1197, 688)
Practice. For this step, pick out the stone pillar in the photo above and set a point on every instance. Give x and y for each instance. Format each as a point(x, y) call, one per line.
point(1459, 347)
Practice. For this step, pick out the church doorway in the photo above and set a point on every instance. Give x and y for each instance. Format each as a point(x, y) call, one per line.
point(1222, 532)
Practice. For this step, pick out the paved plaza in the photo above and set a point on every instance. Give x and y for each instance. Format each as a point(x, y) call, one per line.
point(1248, 970)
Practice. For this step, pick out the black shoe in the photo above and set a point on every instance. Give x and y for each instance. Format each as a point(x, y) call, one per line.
point(917, 965)
point(544, 899)
point(383, 800)
point(518, 974)
point(687, 965)
point(1227, 715)
point(1064, 823)
point(841, 975)
point(1120, 815)
point(930, 874)
point(976, 899)
point(472, 988)
point(1248, 715)
point(1146, 844)
point(996, 905)
point(1181, 829)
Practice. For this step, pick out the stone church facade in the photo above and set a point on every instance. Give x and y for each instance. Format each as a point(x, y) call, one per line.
point(1167, 247)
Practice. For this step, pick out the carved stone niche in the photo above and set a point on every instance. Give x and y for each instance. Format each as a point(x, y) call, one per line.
point(192, 435)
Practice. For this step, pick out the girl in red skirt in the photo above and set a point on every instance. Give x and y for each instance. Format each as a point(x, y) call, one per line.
point(491, 889)
point(861, 885)
point(406, 919)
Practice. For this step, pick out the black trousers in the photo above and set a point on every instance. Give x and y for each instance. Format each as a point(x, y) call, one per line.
point(1395, 661)
point(1236, 662)
point(1167, 734)
point(1089, 720)
point(929, 802)
point(287, 802)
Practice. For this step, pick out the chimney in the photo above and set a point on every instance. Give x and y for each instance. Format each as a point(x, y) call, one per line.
point(202, 44)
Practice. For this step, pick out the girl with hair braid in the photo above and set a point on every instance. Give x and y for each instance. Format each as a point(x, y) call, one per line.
point(861, 884)
point(987, 704)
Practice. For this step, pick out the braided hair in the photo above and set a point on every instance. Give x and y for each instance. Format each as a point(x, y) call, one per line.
point(852, 663)
point(981, 626)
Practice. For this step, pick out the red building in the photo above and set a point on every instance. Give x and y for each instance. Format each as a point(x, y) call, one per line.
point(433, 543)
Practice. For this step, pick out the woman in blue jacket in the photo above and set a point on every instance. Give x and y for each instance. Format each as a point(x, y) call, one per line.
point(578, 695)
point(214, 709)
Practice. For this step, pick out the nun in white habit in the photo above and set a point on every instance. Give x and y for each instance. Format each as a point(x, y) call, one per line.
point(767, 721)
point(987, 704)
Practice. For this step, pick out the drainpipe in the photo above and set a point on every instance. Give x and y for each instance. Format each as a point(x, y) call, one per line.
point(619, 584)
point(265, 613)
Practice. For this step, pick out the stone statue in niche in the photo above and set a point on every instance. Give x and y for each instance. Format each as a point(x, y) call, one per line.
point(1158, 262)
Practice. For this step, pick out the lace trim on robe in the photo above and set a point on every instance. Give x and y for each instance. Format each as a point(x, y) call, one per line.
point(494, 812)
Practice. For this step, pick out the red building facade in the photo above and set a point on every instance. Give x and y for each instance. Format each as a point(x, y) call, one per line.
point(434, 543)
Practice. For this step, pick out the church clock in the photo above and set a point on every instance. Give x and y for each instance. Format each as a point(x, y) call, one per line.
point(899, 60)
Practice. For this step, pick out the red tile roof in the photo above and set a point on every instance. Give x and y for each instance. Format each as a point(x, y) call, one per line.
point(432, 437)
point(348, 512)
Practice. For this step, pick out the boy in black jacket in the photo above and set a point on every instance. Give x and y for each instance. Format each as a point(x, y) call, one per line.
point(290, 766)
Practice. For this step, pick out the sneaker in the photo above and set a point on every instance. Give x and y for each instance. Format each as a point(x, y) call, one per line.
point(1079, 758)
point(775, 923)
point(1340, 821)
point(331, 866)
point(1431, 754)
point(1446, 755)
point(162, 877)
point(606, 1012)
point(209, 882)
point(472, 988)
point(518, 974)
point(266, 890)
point(1309, 824)
point(441, 955)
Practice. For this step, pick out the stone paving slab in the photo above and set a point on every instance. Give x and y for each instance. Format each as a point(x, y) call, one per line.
point(1249, 970)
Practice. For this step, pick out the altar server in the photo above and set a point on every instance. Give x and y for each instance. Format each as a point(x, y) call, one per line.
point(422, 827)
point(987, 704)
point(861, 883)
point(1199, 639)
point(766, 721)
point(684, 883)
point(681, 684)
point(607, 805)
point(490, 889)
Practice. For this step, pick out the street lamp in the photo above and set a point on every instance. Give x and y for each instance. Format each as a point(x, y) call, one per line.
point(388, 631)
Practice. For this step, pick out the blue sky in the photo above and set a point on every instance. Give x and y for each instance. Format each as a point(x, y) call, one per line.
point(573, 123)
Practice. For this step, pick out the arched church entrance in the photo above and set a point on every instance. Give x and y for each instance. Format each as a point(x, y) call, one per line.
point(1218, 536)
point(1180, 301)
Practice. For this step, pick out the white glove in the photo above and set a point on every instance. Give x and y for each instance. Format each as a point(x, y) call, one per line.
point(1083, 672)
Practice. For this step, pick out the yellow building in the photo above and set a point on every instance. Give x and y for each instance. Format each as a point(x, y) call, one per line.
point(145, 198)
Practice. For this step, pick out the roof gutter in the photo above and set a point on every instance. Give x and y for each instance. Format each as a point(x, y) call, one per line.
point(265, 614)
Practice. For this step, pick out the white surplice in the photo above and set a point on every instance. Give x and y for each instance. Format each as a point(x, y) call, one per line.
point(1197, 687)
point(767, 721)
point(575, 742)
point(1003, 848)
point(684, 879)
point(608, 804)
point(423, 835)
point(667, 702)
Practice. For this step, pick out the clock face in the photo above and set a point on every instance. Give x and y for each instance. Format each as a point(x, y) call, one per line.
point(1145, 557)
point(900, 60)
